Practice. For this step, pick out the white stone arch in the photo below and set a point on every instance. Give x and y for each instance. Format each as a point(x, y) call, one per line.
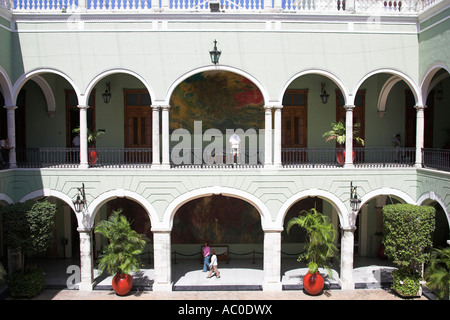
point(396, 76)
point(4, 197)
point(31, 75)
point(6, 87)
point(55, 194)
point(337, 204)
point(428, 83)
point(431, 196)
point(386, 191)
point(190, 73)
point(341, 85)
point(103, 198)
point(90, 86)
point(169, 213)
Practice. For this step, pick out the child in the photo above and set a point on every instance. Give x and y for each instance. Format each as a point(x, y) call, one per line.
point(213, 265)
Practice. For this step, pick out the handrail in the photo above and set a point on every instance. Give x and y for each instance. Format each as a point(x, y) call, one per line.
point(392, 7)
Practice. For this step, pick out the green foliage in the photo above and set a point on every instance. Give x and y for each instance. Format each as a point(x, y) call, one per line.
point(406, 284)
point(437, 272)
point(26, 285)
point(320, 235)
point(338, 132)
point(125, 245)
point(28, 227)
point(2, 273)
point(408, 231)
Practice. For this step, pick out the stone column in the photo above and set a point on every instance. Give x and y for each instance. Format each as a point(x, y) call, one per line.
point(268, 136)
point(11, 122)
point(155, 136)
point(277, 137)
point(165, 137)
point(83, 137)
point(349, 136)
point(162, 261)
point(347, 244)
point(86, 260)
point(420, 132)
point(272, 261)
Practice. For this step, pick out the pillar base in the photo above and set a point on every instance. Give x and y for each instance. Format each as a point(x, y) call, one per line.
point(85, 286)
point(162, 287)
point(272, 287)
point(346, 285)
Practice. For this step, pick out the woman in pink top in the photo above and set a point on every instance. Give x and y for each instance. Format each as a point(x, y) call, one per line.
point(206, 254)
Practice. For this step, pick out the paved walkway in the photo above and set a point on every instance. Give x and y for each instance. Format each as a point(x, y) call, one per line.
point(357, 294)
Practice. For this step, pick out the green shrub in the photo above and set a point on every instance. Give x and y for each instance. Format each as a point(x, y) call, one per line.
point(406, 284)
point(26, 285)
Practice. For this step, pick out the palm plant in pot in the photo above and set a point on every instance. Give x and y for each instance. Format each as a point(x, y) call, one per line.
point(92, 136)
point(121, 256)
point(319, 247)
point(338, 133)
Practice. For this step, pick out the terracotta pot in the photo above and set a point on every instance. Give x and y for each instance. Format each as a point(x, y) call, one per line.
point(380, 253)
point(313, 283)
point(122, 284)
point(340, 156)
point(93, 156)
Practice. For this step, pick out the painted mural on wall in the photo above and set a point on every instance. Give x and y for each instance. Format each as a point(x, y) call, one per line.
point(221, 100)
point(217, 219)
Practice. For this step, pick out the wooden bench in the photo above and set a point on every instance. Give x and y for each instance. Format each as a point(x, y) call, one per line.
point(222, 252)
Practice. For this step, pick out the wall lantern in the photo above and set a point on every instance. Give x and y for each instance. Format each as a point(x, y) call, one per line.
point(80, 202)
point(354, 200)
point(215, 54)
point(324, 95)
point(107, 94)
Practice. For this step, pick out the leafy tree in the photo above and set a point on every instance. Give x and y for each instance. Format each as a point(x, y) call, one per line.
point(28, 226)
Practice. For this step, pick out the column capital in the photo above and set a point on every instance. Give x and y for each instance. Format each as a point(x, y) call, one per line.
point(165, 106)
point(10, 107)
point(349, 107)
point(84, 107)
point(277, 107)
point(420, 107)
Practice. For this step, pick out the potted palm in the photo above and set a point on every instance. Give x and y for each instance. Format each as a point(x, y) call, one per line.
point(92, 136)
point(437, 272)
point(337, 133)
point(121, 256)
point(319, 247)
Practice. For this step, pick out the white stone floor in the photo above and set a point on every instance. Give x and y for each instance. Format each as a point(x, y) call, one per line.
point(238, 274)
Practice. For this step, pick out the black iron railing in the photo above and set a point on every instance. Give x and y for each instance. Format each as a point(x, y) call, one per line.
point(436, 159)
point(70, 157)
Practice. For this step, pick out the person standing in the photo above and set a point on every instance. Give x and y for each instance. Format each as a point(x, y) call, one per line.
point(235, 144)
point(213, 265)
point(206, 254)
point(4, 149)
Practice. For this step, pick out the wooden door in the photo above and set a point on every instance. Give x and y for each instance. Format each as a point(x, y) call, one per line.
point(294, 119)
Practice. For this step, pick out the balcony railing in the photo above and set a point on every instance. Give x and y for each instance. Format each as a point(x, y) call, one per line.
point(213, 158)
point(335, 157)
point(70, 157)
point(438, 159)
point(401, 7)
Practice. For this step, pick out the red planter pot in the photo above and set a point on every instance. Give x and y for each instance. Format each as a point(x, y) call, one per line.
point(340, 156)
point(313, 283)
point(122, 284)
point(93, 156)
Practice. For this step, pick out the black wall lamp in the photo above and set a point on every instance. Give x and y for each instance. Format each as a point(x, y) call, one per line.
point(323, 94)
point(107, 94)
point(80, 202)
point(215, 54)
point(354, 200)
